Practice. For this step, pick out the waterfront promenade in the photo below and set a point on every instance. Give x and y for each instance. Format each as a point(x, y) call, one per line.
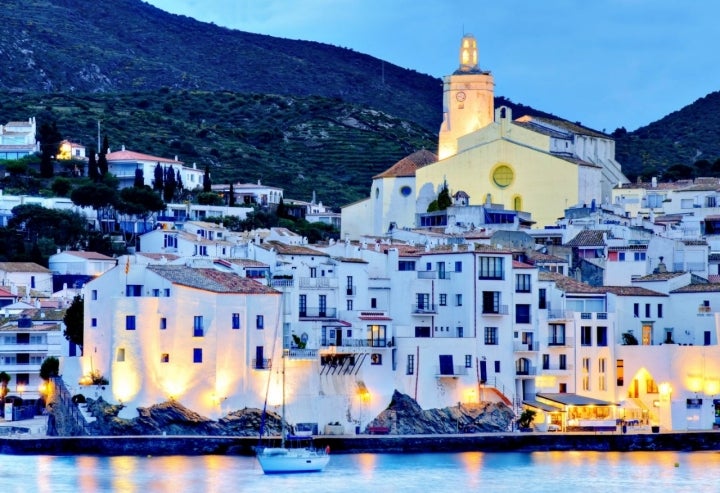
point(33, 440)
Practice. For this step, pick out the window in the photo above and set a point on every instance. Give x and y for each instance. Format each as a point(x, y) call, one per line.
point(659, 310)
point(602, 378)
point(522, 283)
point(522, 314)
point(376, 359)
point(313, 271)
point(93, 322)
point(120, 357)
point(423, 301)
point(165, 358)
point(621, 256)
point(586, 335)
point(302, 308)
point(373, 302)
point(93, 294)
point(586, 374)
point(601, 336)
point(349, 290)
point(650, 386)
point(163, 323)
point(491, 302)
point(410, 368)
point(169, 241)
point(620, 372)
point(491, 336)
point(443, 299)
point(546, 361)
point(130, 322)
point(491, 268)
point(197, 355)
point(636, 309)
point(349, 305)
point(640, 256)
point(460, 332)
point(542, 298)
point(235, 321)
point(406, 265)
point(647, 310)
point(563, 361)
point(557, 334)
point(458, 266)
point(167, 292)
point(260, 322)
point(133, 290)
point(497, 366)
point(502, 176)
point(156, 292)
point(468, 361)
point(458, 299)
point(198, 326)
point(322, 308)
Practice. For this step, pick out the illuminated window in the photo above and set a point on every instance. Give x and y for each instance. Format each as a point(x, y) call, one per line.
point(503, 176)
point(165, 358)
point(120, 354)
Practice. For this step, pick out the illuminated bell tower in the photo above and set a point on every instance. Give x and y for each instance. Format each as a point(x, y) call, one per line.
point(468, 99)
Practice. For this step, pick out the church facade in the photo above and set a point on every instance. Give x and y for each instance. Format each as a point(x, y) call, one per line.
point(534, 164)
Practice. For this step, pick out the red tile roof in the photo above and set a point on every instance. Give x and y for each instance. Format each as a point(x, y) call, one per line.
point(409, 164)
point(125, 155)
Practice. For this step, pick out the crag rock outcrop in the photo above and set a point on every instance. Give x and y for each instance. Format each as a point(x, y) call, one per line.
point(405, 417)
point(172, 418)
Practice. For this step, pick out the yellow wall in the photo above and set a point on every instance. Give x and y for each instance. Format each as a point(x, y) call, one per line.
point(545, 184)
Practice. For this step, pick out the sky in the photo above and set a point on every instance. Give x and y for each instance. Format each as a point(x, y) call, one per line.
point(603, 63)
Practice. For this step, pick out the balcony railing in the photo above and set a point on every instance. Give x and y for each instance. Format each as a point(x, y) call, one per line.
point(557, 369)
point(527, 371)
point(318, 312)
point(424, 308)
point(300, 354)
point(557, 315)
point(500, 310)
point(457, 371)
point(281, 283)
point(319, 282)
point(427, 274)
point(358, 343)
point(262, 364)
point(561, 342)
point(525, 347)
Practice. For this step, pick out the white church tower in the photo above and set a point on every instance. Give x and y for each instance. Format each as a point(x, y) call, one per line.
point(468, 99)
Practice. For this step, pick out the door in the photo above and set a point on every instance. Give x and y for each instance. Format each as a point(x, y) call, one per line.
point(259, 357)
point(446, 364)
point(483, 371)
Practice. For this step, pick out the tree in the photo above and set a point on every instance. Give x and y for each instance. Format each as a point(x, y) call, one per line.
point(63, 227)
point(231, 198)
point(139, 203)
point(139, 181)
point(74, 321)
point(102, 157)
point(444, 201)
point(158, 182)
point(101, 196)
point(49, 139)
point(169, 191)
point(49, 368)
point(93, 172)
point(281, 210)
point(207, 184)
point(61, 186)
point(179, 183)
point(4, 381)
point(209, 198)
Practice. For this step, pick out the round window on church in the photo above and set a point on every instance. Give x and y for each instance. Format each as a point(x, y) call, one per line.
point(503, 176)
point(405, 191)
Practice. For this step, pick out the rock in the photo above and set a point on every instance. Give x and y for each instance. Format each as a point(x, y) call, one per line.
point(405, 417)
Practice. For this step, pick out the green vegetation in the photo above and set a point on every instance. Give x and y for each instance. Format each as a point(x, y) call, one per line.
point(49, 368)
point(74, 321)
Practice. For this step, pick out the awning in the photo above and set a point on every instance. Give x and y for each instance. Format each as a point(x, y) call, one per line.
point(572, 400)
point(542, 406)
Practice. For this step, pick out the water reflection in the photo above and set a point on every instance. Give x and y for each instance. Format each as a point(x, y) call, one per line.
point(471, 471)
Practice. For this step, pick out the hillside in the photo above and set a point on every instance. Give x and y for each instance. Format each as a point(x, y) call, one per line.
point(257, 107)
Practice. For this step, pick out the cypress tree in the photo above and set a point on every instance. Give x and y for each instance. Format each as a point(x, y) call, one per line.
point(159, 182)
point(207, 184)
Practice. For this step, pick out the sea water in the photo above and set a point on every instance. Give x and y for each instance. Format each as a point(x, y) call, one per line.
point(376, 473)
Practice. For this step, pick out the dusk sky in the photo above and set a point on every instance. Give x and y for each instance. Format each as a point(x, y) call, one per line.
point(604, 63)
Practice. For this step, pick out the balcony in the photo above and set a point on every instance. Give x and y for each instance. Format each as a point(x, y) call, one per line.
point(522, 347)
point(318, 282)
point(499, 310)
point(557, 315)
point(560, 342)
point(424, 309)
point(318, 312)
point(302, 354)
point(262, 364)
point(526, 372)
point(557, 369)
point(427, 274)
point(281, 283)
point(354, 345)
point(457, 371)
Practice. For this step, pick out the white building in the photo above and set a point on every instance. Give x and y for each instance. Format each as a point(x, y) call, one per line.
point(123, 164)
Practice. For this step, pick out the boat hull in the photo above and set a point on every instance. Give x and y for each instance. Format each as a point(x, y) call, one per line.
point(283, 461)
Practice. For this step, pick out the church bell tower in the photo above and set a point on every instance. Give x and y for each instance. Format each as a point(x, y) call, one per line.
point(468, 99)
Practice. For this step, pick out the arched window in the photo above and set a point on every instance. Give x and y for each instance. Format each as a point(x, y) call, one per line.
point(517, 203)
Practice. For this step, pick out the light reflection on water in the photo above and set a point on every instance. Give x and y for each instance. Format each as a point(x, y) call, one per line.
point(376, 473)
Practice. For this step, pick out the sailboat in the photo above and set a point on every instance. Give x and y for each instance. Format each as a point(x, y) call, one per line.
point(295, 453)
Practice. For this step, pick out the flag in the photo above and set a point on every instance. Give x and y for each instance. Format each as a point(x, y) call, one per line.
point(127, 265)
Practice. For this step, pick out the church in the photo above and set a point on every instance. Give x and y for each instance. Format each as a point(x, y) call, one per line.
point(538, 165)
